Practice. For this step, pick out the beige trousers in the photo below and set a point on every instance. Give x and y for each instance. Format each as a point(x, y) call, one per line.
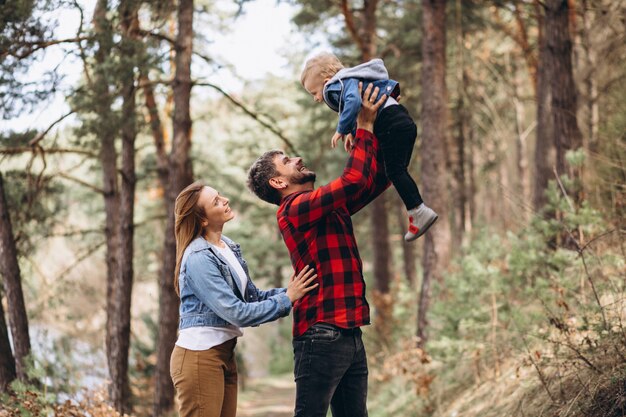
point(205, 380)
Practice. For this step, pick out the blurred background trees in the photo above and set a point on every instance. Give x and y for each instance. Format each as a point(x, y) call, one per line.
point(521, 122)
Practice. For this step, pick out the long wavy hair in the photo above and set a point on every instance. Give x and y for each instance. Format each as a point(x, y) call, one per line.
point(188, 217)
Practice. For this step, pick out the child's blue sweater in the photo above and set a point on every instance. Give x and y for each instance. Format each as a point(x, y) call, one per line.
point(341, 93)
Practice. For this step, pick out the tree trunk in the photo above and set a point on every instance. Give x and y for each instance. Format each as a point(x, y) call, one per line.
point(544, 147)
point(434, 126)
point(521, 146)
point(7, 361)
point(593, 114)
point(364, 36)
point(108, 159)
point(18, 320)
point(408, 248)
point(456, 148)
point(382, 273)
point(567, 135)
point(472, 156)
point(380, 217)
point(120, 320)
point(156, 127)
point(180, 175)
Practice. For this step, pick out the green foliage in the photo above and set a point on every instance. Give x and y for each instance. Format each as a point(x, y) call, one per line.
point(29, 401)
point(21, 29)
point(501, 291)
point(25, 400)
point(35, 207)
point(312, 13)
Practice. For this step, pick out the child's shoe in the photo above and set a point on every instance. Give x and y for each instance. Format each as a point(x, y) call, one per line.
point(420, 220)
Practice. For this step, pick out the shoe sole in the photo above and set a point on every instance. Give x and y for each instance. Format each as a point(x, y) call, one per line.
point(424, 229)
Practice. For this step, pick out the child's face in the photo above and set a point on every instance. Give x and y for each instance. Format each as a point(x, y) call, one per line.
point(314, 84)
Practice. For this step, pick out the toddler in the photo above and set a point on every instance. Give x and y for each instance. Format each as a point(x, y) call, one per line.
point(325, 78)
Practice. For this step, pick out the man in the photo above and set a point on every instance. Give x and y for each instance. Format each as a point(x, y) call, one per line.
point(330, 360)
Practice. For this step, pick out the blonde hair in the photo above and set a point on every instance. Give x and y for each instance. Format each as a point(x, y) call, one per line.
point(188, 217)
point(324, 64)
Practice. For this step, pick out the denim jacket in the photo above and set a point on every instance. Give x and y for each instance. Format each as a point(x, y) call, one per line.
point(341, 92)
point(211, 292)
point(343, 97)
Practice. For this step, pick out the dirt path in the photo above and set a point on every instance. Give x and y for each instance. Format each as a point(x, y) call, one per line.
point(267, 397)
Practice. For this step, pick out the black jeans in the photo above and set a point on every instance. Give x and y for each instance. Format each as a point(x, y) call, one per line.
point(396, 133)
point(330, 368)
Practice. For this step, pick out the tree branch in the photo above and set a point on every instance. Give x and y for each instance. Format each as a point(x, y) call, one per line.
point(81, 182)
point(90, 251)
point(349, 17)
point(171, 41)
point(157, 130)
point(254, 115)
point(25, 149)
point(81, 50)
point(41, 135)
point(36, 46)
point(157, 35)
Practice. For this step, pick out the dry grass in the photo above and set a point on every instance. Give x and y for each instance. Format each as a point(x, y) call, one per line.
point(563, 378)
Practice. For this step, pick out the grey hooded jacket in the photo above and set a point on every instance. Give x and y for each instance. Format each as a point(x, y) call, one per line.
point(341, 92)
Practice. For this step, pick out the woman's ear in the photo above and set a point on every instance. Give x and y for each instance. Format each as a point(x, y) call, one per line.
point(277, 183)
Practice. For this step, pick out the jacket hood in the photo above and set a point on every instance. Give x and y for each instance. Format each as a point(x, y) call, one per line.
point(370, 70)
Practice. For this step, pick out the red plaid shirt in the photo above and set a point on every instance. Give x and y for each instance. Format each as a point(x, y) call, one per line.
point(317, 230)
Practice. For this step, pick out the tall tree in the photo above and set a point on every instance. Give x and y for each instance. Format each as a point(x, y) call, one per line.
point(434, 119)
point(180, 175)
point(363, 34)
point(116, 58)
point(408, 248)
point(119, 317)
point(103, 97)
point(10, 271)
point(567, 135)
point(7, 360)
point(456, 152)
point(591, 82)
point(544, 145)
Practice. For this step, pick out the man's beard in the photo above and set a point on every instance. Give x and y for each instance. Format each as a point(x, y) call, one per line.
point(302, 177)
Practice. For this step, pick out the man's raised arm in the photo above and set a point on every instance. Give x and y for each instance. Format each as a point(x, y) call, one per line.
point(358, 175)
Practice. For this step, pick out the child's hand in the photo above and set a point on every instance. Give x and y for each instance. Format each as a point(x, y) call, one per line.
point(336, 138)
point(348, 142)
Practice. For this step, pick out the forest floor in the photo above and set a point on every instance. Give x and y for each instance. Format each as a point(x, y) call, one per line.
point(267, 397)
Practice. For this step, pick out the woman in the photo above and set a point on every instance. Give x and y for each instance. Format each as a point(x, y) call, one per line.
point(217, 297)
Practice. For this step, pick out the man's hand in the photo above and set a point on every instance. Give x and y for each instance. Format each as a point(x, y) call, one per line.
point(367, 115)
point(336, 138)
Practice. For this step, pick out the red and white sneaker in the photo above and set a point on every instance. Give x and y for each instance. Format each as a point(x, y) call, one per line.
point(420, 220)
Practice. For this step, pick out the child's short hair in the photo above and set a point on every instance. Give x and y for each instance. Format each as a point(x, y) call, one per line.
point(325, 64)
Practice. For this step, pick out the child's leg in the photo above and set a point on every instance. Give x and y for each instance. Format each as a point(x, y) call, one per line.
point(396, 135)
point(396, 158)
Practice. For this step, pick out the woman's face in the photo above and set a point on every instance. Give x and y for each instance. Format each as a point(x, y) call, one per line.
point(216, 208)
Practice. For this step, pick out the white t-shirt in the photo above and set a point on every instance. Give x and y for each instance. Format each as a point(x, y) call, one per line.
point(203, 338)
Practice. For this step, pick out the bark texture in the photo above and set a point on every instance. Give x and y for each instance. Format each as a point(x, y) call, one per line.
point(7, 361)
point(544, 145)
point(10, 366)
point(179, 176)
point(567, 135)
point(434, 120)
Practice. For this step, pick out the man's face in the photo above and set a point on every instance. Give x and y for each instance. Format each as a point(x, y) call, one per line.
point(292, 169)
